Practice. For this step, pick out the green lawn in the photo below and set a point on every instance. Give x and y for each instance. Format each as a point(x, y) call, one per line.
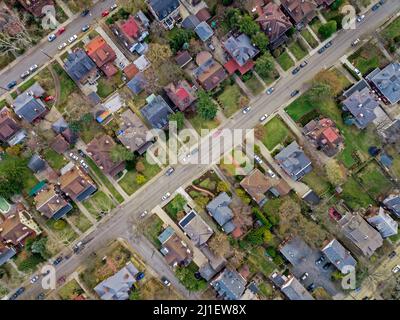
point(315, 25)
point(106, 86)
point(354, 195)
point(62, 229)
point(316, 181)
point(199, 123)
point(128, 182)
point(79, 220)
point(90, 131)
point(276, 133)
point(297, 50)
point(55, 160)
point(66, 83)
point(374, 180)
point(175, 206)
point(309, 38)
point(255, 86)
point(392, 31)
point(230, 100)
point(70, 290)
point(97, 203)
point(26, 84)
point(257, 262)
point(368, 58)
point(153, 228)
point(285, 61)
point(3, 103)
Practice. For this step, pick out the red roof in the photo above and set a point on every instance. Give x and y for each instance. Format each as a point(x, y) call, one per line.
point(231, 66)
point(330, 135)
point(109, 69)
point(131, 71)
point(182, 94)
point(130, 27)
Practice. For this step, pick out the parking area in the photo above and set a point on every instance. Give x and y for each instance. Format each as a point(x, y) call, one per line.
point(303, 259)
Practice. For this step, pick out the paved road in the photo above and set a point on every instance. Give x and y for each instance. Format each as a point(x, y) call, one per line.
point(36, 55)
point(120, 225)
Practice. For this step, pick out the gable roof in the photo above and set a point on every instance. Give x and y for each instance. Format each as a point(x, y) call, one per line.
point(383, 222)
point(156, 112)
point(392, 202)
point(6, 253)
point(293, 161)
point(209, 73)
point(338, 255)
point(204, 31)
point(59, 144)
point(256, 184)
point(36, 163)
point(60, 125)
point(102, 54)
point(182, 58)
point(387, 81)
point(137, 83)
point(129, 28)
point(8, 126)
point(220, 211)
point(51, 204)
point(196, 229)
point(291, 287)
point(180, 93)
point(190, 22)
point(28, 105)
point(163, 8)
point(79, 66)
point(301, 11)
point(130, 71)
point(76, 184)
point(229, 284)
point(203, 14)
point(240, 49)
point(175, 251)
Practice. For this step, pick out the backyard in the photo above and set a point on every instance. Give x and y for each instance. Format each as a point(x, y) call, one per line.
point(63, 230)
point(70, 290)
point(106, 86)
point(317, 182)
point(315, 24)
point(391, 34)
point(285, 61)
point(374, 180)
point(199, 123)
point(55, 160)
point(79, 220)
point(354, 196)
point(276, 132)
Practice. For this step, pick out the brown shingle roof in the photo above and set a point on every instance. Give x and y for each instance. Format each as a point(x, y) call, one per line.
point(74, 182)
point(59, 144)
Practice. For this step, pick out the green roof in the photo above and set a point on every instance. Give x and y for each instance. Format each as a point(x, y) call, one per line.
point(37, 188)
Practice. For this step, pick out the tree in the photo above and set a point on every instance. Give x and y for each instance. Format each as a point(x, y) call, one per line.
point(39, 247)
point(319, 92)
point(133, 5)
point(259, 132)
point(268, 236)
point(328, 29)
point(158, 53)
point(257, 236)
point(219, 244)
point(140, 179)
point(179, 118)
point(227, 2)
point(12, 174)
point(335, 173)
point(206, 107)
point(248, 26)
point(119, 153)
point(176, 205)
point(187, 278)
point(222, 186)
point(265, 65)
point(330, 78)
point(140, 167)
point(178, 37)
point(232, 18)
point(14, 150)
point(261, 41)
point(243, 196)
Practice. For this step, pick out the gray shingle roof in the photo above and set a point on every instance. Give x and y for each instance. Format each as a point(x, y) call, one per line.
point(78, 65)
point(384, 223)
point(60, 125)
point(387, 81)
point(338, 255)
point(229, 284)
point(293, 160)
point(190, 22)
point(137, 84)
point(156, 112)
point(163, 8)
point(197, 230)
point(28, 105)
point(220, 211)
point(392, 202)
point(240, 49)
point(294, 290)
point(204, 31)
point(36, 163)
point(6, 255)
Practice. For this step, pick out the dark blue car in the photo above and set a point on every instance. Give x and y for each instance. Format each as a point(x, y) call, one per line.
point(12, 84)
point(139, 276)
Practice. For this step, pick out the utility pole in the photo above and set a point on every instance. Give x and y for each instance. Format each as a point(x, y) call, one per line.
point(45, 54)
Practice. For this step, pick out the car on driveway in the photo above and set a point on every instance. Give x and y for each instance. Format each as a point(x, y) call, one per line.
point(320, 260)
point(139, 276)
point(263, 117)
point(33, 68)
point(165, 282)
point(258, 159)
point(11, 84)
point(165, 196)
point(40, 296)
point(270, 90)
point(113, 7)
point(296, 70)
point(294, 93)
point(62, 46)
point(85, 28)
point(271, 173)
point(326, 266)
point(51, 37)
point(105, 13)
point(246, 110)
point(392, 254)
point(25, 74)
point(358, 72)
point(73, 38)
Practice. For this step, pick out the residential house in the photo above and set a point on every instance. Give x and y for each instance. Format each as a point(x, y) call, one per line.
point(257, 185)
point(9, 22)
point(324, 3)
point(130, 71)
point(390, 133)
point(119, 285)
point(290, 287)
point(181, 93)
point(203, 14)
point(80, 67)
point(229, 285)
point(324, 134)
point(133, 31)
point(339, 256)
point(102, 54)
point(17, 226)
point(209, 72)
point(241, 51)
point(36, 7)
point(133, 134)
point(77, 184)
point(137, 83)
point(392, 203)
point(60, 144)
point(360, 103)
point(165, 11)
point(190, 22)
point(175, 251)
point(11, 132)
point(182, 58)
point(386, 82)
point(381, 221)
point(51, 204)
point(274, 23)
point(294, 161)
point(6, 253)
point(99, 149)
point(142, 63)
point(36, 163)
point(156, 112)
point(301, 12)
point(219, 209)
point(204, 31)
point(361, 236)
point(195, 228)
point(28, 105)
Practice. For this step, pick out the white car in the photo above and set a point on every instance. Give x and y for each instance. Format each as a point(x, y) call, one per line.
point(358, 72)
point(263, 118)
point(33, 68)
point(51, 37)
point(25, 74)
point(304, 276)
point(355, 42)
point(34, 279)
point(165, 196)
point(113, 7)
point(62, 46)
point(258, 159)
point(73, 38)
point(246, 109)
point(271, 173)
point(143, 214)
point(360, 18)
point(396, 269)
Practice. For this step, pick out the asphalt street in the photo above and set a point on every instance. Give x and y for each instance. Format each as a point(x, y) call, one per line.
point(123, 220)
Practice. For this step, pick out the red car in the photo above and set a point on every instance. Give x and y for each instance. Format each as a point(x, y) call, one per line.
point(105, 13)
point(61, 30)
point(334, 214)
point(49, 98)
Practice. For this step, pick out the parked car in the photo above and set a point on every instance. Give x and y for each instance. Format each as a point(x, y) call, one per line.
point(311, 287)
point(303, 64)
point(396, 269)
point(61, 30)
point(51, 37)
point(81, 153)
point(334, 214)
point(321, 50)
point(144, 213)
point(169, 171)
point(33, 68)
point(85, 28)
point(320, 260)
point(296, 70)
point(113, 7)
point(11, 84)
point(40, 296)
point(34, 279)
point(270, 90)
point(165, 282)
point(326, 266)
point(304, 276)
point(358, 72)
point(48, 98)
point(72, 38)
point(105, 13)
point(139, 276)
point(360, 18)
point(392, 254)
point(294, 93)
point(57, 261)
point(271, 173)
point(246, 109)
point(382, 2)
point(211, 46)
point(62, 46)
point(85, 12)
point(375, 7)
point(258, 159)
point(328, 45)
point(25, 74)
point(78, 247)
point(165, 196)
point(263, 117)
point(61, 280)
point(355, 42)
